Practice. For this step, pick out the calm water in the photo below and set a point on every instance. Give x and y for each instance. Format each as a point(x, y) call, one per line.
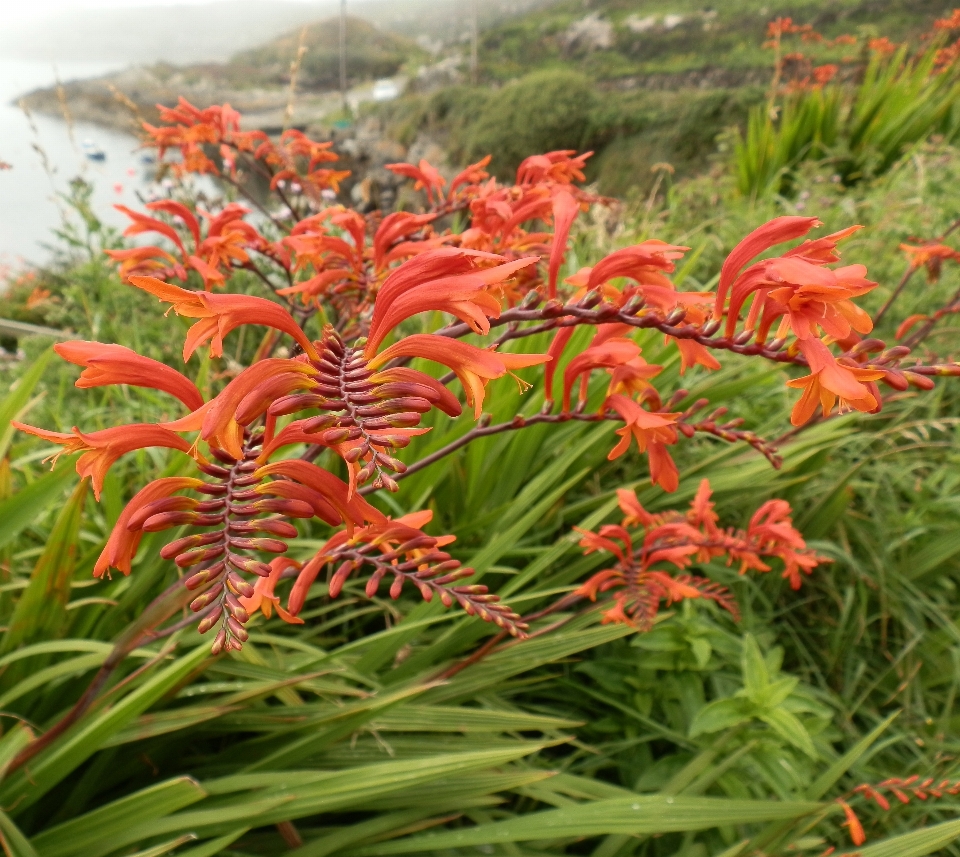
point(28, 205)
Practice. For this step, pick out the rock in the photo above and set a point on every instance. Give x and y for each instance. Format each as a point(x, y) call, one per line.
point(636, 24)
point(671, 21)
point(590, 33)
point(445, 72)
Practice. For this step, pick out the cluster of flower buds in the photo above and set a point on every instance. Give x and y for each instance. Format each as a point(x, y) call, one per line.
point(639, 582)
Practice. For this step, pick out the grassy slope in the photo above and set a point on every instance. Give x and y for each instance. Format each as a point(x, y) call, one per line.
point(663, 95)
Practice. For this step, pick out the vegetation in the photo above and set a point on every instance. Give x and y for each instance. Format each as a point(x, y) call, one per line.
point(697, 712)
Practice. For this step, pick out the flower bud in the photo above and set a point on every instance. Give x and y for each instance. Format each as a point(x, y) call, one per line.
point(322, 422)
point(213, 470)
point(218, 642)
point(237, 629)
point(251, 566)
point(922, 382)
point(185, 560)
point(235, 583)
point(268, 545)
point(291, 404)
point(208, 622)
point(199, 540)
point(205, 599)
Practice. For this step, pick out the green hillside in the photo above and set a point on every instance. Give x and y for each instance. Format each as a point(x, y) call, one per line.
point(642, 84)
point(372, 52)
point(672, 37)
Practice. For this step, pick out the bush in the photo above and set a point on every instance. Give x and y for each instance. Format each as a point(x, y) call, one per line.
point(540, 112)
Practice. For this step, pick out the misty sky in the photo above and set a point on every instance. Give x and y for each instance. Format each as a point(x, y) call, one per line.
point(44, 8)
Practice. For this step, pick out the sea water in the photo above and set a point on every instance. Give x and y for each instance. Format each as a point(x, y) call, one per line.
point(29, 207)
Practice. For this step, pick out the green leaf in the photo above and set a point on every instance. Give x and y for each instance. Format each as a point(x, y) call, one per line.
point(721, 714)
point(14, 843)
point(829, 777)
point(918, 843)
point(787, 726)
point(166, 847)
point(24, 507)
point(755, 675)
point(641, 814)
point(778, 691)
point(104, 824)
point(40, 613)
point(214, 846)
point(16, 401)
point(16, 738)
point(51, 765)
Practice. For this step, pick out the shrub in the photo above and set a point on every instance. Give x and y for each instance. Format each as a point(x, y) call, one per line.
point(539, 112)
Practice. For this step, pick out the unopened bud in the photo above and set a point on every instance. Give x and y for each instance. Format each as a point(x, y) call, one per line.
point(922, 382)
point(190, 558)
point(268, 545)
point(208, 622)
point(709, 328)
point(675, 316)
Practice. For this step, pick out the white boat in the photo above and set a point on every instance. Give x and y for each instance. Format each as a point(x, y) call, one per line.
point(385, 90)
point(92, 151)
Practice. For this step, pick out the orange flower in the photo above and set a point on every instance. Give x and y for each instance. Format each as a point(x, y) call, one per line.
point(813, 296)
point(102, 448)
point(829, 380)
point(692, 353)
point(762, 238)
point(932, 256)
point(473, 366)
point(247, 397)
point(447, 280)
point(852, 823)
point(563, 166)
point(220, 314)
point(122, 545)
point(427, 177)
point(115, 364)
point(263, 598)
point(653, 433)
point(353, 510)
point(612, 353)
point(565, 210)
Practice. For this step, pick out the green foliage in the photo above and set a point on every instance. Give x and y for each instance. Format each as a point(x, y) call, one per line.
point(899, 103)
point(699, 738)
point(540, 112)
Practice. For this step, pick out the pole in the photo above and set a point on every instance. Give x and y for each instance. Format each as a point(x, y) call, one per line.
point(473, 42)
point(343, 54)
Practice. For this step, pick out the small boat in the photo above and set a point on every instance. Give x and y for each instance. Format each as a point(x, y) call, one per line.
point(92, 151)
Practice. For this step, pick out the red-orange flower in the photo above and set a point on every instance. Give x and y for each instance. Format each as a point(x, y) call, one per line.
point(931, 256)
point(762, 238)
point(473, 366)
point(447, 280)
point(102, 448)
point(653, 433)
point(122, 545)
point(220, 314)
point(115, 364)
point(263, 598)
point(427, 177)
point(829, 380)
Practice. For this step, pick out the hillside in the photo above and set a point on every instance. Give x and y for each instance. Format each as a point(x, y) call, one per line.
point(372, 53)
point(642, 84)
point(617, 39)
